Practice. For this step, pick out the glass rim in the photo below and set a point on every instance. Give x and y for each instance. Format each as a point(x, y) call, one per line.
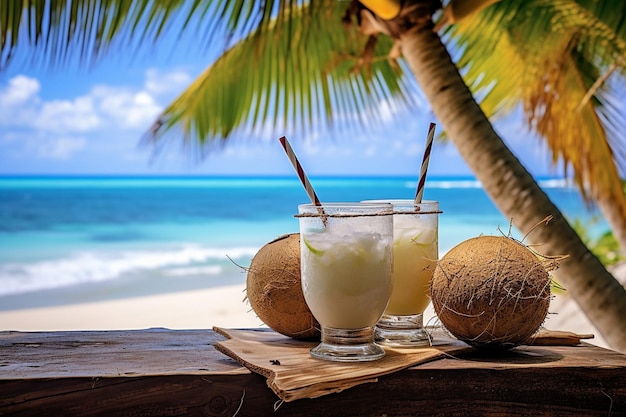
point(430, 206)
point(347, 204)
point(401, 201)
point(361, 209)
point(325, 215)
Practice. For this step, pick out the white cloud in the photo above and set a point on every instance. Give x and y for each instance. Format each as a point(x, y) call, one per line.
point(18, 101)
point(57, 129)
point(20, 89)
point(125, 108)
point(159, 82)
point(117, 107)
point(78, 115)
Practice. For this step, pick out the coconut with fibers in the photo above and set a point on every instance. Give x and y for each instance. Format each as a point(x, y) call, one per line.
point(492, 291)
point(274, 289)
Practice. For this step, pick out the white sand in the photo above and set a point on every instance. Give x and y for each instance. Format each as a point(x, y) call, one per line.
point(203, 309)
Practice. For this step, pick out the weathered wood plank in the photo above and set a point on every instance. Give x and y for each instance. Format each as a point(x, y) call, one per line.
point(173, 373)
point(112, 353)
point(583, 356)
point(168, 395)
point(410, 392)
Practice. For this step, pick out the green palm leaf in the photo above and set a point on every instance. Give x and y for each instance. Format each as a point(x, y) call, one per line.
point(300, 71)
point(54, 32)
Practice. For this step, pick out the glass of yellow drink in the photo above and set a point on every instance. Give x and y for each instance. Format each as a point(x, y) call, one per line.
point(346, 265)
point(415, 255)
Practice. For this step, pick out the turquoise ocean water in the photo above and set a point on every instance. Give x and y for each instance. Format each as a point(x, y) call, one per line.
point(66, 240)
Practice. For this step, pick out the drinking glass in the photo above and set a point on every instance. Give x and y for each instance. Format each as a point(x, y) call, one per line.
point(415, 255)
point(346, 265)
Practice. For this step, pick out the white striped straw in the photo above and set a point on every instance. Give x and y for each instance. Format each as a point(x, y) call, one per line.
point(424, 169)
point(296, 165)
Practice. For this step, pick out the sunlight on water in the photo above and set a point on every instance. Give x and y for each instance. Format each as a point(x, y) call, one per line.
point(97, 238)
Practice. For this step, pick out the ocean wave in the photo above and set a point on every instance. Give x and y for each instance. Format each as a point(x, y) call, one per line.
point(93, 267)
point(194, 270)
point(473, 183)
point(447, 184)
point(555, 183)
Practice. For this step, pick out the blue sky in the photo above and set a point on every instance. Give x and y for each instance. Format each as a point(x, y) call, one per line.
point(77, 120)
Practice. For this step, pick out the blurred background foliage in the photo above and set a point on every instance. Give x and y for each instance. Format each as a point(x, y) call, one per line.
point(605, 246)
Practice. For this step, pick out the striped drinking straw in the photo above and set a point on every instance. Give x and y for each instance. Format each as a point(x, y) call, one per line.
point(424, 169)
point(303, 178)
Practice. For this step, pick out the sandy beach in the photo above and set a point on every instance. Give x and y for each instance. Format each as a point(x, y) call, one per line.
point(203, 309)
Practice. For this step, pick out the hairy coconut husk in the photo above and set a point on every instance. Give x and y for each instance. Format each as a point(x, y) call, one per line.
point(491, 291)
point(274, 289)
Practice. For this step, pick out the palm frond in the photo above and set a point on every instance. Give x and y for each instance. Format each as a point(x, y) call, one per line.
point(546, 56)
point(302, 70)
point(52, 33)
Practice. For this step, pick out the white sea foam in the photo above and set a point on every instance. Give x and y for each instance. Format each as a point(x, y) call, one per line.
point(556, 183)
point(194, 270)
point(447, 184)
point(91, 267)
point(472, 183)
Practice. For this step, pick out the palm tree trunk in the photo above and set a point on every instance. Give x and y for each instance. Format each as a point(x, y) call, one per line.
point(510, 186)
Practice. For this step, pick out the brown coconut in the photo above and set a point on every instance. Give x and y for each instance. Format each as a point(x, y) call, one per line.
point(274, 289)
point(491, 291)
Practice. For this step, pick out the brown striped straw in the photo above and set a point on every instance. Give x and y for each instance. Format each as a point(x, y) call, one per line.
point(302, 175)
point(424, 169)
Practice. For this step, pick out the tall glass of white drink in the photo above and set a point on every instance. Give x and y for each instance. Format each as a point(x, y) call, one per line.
point(415, 255)
point(346, 251)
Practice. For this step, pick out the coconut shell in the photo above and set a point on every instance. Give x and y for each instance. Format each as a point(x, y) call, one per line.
point(491, 291)
point(274, 289)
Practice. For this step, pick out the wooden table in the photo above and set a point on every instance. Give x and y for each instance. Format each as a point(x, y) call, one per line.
point(179, 372)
